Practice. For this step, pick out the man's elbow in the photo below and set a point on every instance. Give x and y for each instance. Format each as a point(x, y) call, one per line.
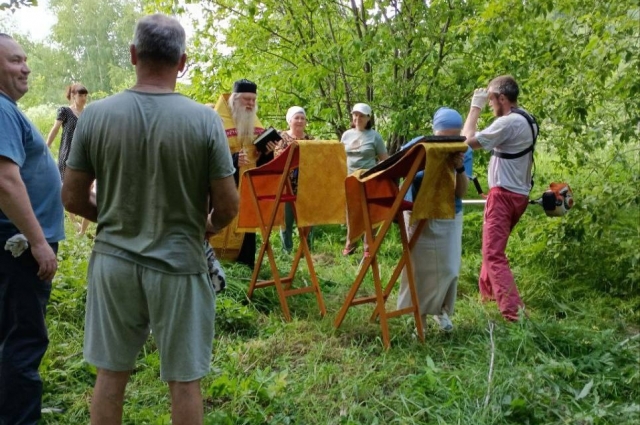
point(461, 192)
point(69, 202)
point(473, 143)
point(228, 212)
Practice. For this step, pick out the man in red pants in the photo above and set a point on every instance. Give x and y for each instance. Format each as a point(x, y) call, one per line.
point(510, 138)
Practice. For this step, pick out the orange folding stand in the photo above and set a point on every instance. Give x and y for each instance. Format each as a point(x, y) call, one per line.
point(269, 187)
point(375, 199)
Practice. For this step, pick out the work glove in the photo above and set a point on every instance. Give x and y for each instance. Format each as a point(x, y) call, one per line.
point(480, 98)
point(216, 273)
point(17, 245)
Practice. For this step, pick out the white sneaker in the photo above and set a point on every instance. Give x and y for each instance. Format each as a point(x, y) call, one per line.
point(444, 322)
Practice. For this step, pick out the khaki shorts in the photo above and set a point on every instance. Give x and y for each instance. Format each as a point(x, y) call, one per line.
point(126, 300)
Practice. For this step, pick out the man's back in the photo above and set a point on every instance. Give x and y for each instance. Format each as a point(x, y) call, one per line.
point(153, 156)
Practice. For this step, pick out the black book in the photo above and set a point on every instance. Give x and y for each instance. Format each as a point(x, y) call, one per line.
point(269, 135)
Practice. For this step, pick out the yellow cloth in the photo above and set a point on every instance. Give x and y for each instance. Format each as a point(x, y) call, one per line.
point(435, 199)
point(321, 195)
point(228, 242)
point(320, 199)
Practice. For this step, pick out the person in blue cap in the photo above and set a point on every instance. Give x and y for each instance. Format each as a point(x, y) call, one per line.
point(437, 254)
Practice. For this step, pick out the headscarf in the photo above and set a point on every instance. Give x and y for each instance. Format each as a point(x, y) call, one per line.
point(294, 110)
point(447, 119)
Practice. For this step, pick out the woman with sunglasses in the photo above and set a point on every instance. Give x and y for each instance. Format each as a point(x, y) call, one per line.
point(67, 118)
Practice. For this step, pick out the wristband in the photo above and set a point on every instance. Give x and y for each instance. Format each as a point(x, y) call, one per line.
point(460, 170)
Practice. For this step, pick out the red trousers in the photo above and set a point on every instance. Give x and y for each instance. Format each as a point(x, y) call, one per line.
point(502, 212)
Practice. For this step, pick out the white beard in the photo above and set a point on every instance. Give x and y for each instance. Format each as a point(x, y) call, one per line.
point(245, 124)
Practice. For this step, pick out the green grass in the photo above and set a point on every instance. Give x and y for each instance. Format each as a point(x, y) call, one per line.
point(575, 361)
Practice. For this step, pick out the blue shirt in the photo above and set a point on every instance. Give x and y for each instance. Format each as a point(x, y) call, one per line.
point(468, 167)
point(21, 142)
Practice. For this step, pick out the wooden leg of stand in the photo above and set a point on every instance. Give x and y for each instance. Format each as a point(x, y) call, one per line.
point(384, 325)
point(278, 284)
point(312, 272)
point(401, 264)
point(408, 263)
point(256, 267)
point(352, 292)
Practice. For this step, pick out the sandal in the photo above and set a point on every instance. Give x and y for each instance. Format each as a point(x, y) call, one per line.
point(348, 251)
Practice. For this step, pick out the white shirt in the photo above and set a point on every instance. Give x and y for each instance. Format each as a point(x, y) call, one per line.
point(509, 134)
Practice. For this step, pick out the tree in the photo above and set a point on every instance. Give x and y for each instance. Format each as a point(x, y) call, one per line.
point(327, 56)
point(407, 58)
point(47, 80)
point(15, 4)
point(94, 37)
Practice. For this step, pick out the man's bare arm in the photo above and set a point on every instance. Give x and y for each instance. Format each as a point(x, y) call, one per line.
point(470, 128)
point(478, 101)
point(224, 200)
point(77, 196)
point(462, 184)
point(15, 204)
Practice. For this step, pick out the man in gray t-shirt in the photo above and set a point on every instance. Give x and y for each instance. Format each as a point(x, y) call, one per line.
point(159, 161)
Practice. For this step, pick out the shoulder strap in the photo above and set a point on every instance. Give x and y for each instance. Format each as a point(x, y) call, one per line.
point(534, 132)
point(531, 120)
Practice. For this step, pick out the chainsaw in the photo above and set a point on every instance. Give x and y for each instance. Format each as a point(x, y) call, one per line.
point(556, 201)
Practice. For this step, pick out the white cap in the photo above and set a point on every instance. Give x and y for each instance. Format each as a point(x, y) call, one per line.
point(294, 110)
point(363, 108)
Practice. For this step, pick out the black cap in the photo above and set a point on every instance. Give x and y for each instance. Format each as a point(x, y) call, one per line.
point(244, 86)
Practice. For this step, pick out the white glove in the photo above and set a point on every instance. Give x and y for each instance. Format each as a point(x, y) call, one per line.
point(216, 273)
point(17, 244)
point(480, 98)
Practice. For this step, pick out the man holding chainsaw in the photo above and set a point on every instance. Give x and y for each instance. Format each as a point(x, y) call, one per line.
point(510, 139)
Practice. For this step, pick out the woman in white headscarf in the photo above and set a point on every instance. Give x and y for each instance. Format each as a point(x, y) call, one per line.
point(297, 121)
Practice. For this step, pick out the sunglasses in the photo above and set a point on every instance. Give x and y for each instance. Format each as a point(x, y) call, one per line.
point(82, 91)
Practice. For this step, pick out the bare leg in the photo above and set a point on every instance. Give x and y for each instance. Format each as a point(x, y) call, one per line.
point(108, 397)
point(84, 226)
point(74, 219)
point(186, 403)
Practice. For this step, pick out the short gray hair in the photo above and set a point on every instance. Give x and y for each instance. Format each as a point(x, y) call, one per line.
point(159, 38)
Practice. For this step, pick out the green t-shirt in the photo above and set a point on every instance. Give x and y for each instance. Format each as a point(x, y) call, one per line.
point(363, 148)
point(153, 156)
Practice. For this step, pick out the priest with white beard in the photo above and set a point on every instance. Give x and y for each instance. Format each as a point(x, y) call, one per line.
point(238, 111)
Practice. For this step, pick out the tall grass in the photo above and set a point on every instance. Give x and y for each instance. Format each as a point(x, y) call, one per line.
point(574, 361)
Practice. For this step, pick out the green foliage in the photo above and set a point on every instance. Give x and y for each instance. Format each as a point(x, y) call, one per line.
point(15, 4)
point(94, 38)
point(89, 44)
point(575, 61)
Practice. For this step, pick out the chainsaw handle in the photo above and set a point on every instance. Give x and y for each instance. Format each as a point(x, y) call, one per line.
point(476, 183)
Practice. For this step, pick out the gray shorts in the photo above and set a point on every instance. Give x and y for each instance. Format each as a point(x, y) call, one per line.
point(125, 300)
